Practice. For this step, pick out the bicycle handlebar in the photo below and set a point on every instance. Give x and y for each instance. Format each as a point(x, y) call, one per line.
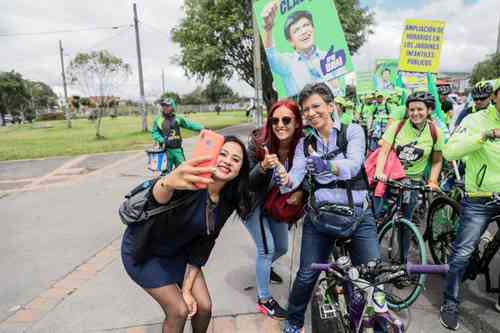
point(382, 267)
point(407, 186)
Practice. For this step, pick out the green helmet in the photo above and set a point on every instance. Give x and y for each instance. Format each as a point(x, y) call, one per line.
point(482, 90)
point(340, 100)
point(168, 101)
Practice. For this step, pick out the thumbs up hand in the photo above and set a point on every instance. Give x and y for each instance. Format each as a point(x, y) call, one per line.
point(314, 163)
point(270, 160)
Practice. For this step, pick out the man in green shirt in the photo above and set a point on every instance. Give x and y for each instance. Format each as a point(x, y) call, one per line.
point(476, 141)
point(167, 132)
point(377, 121)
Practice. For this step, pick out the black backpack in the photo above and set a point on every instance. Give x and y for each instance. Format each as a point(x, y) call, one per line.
point(358, 182)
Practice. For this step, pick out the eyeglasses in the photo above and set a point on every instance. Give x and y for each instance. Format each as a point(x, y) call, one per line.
point(285, 120)
point(479, 99)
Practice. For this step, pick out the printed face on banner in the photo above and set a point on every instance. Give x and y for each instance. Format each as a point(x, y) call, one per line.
point(304, 44)
point(386, 74)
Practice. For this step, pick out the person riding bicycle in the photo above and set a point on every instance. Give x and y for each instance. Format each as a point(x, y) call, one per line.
point(476, 142)
point(444, 91)
point(377, 121)
point(167, 132)
point(417, 143)
point(335, 181)
point(481, 95)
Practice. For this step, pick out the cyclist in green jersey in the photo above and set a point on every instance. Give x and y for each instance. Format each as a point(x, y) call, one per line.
point(475, 140)
point(377, 121)
point(167, 132)
point(481, 94)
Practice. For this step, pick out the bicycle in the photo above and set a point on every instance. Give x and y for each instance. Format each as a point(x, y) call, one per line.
point(396, 233)
point(352, 303)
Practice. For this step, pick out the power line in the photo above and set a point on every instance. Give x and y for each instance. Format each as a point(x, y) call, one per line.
point(63, 31)
point(152, 28)
point(105, 40)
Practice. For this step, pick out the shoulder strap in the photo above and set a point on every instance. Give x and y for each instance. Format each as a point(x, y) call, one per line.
point(148, 213)
point(309, 140)
point(434, 132)
point(398, 129)
point(342, 138)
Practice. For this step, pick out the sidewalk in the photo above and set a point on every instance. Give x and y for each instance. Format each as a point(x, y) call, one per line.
point(96, 295)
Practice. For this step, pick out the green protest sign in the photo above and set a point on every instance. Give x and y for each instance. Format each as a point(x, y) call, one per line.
point(385, 74)
point(364, 82)
point(304, 43)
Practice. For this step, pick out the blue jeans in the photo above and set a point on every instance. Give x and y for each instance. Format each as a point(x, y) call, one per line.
point(316, 248)
point(276, 237)
point(474, 218)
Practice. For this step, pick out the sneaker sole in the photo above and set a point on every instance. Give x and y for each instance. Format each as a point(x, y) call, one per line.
point(264, 311)
point(450, 328)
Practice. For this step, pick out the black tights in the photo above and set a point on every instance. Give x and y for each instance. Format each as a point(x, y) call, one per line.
point(176, 311)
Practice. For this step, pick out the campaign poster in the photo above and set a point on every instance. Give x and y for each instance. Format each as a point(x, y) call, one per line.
point(304, 43)
point(364, 82)
point(385, 74)
point(414, 81)
point(421, 46)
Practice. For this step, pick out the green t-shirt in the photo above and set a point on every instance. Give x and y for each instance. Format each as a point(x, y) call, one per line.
point(397, 112)
point(366, 113)
point(347, 116)
point(413, 147)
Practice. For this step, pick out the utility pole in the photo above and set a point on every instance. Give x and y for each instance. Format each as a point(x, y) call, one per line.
point(66, 108)
point(163, 80)
point(257, 70)
point(139, 65)
point(498, 37)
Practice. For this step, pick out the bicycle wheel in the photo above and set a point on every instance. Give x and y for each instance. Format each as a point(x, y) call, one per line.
point(401, 242)
point(442, 225)
point(338, 320)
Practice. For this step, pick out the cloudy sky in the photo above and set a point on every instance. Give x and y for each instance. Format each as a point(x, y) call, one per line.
point(470, 35)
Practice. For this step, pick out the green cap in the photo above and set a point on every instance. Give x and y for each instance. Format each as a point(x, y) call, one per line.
point(168, 102)
point(340, 100)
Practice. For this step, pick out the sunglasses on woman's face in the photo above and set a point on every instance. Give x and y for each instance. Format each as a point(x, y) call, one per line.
point(285, 120)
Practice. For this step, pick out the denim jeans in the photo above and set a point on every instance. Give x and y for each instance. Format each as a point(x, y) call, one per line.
point(316, 248)
point(276, 237)
point(408, 208)
point(474, 218)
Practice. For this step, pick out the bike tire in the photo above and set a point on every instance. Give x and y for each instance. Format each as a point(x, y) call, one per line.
point(396, 299)
point(442, 223)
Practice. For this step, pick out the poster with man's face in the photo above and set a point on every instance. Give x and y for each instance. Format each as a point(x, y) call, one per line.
point(304, 43)
point(385, 74)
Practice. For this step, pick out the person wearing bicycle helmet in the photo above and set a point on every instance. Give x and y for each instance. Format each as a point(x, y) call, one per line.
point(331, 157)
point(446, 103)
point(477, 142)
point(481, 95)
point(166, 132)
point(417, 142)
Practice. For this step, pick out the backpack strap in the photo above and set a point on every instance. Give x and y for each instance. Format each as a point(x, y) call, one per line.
point(434, 132)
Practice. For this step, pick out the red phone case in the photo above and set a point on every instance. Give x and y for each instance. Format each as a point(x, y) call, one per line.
point(209, 144)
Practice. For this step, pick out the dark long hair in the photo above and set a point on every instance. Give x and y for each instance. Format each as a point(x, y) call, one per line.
point(267, 137)
point(236, 191)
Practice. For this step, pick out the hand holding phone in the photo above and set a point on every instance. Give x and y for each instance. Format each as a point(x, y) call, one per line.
point(209, 144)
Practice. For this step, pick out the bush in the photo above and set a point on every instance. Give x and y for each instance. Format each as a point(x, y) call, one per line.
point(51, 116)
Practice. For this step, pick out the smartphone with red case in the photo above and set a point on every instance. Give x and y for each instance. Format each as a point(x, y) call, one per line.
point(209, 144)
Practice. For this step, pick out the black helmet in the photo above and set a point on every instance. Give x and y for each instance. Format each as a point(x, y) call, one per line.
point(421, 96)
point(444, 90)
point(482, 90)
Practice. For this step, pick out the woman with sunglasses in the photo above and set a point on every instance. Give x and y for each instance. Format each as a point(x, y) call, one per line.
point(270, 148)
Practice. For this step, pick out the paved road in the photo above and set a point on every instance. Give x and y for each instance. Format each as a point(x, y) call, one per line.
point(60, 266)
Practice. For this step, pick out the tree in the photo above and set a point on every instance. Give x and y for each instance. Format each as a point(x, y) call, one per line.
point(13, 94)
point(487, 69)
point(216, 39)
point(43, 97)
point(216, 91)
point(195, 97)
point(99, 74)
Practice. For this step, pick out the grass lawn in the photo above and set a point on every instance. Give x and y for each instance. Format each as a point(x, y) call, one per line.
point(52, 138)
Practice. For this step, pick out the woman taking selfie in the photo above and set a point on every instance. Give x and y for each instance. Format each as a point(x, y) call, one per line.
point(166, 260)
point(269, 148)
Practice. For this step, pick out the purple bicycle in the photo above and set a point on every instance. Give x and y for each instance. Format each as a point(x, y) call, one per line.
point(352, 298)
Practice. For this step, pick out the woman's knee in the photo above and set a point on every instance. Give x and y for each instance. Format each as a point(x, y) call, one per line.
point(178, 312)
point(205, 307)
